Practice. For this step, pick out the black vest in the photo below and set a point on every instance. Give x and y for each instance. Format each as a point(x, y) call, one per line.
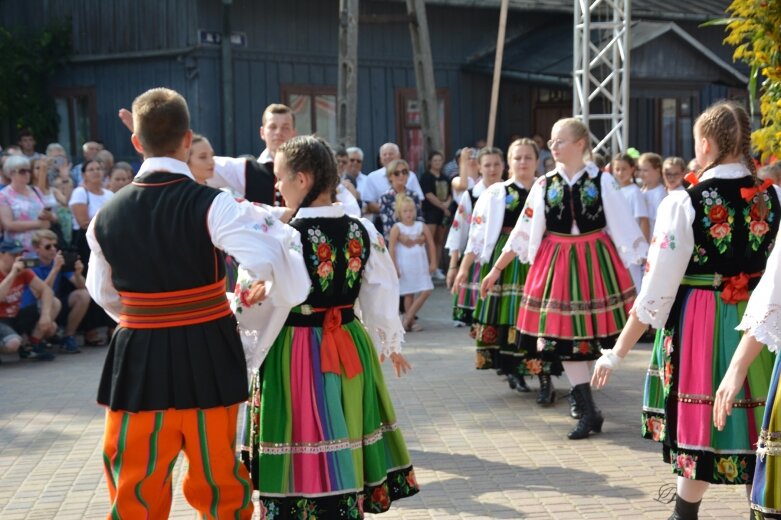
point(259, 183)
point(581, 203)
point(514, 200)
point(730, 234)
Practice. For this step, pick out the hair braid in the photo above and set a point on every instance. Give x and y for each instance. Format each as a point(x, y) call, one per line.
point(312, 155)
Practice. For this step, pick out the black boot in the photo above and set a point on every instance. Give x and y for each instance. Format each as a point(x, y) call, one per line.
point(517, 383)
point(574, 410)
point(547, 393)
point(591, 418)
point(685, 510)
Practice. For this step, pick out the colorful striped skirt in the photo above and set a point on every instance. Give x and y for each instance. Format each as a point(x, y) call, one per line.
point(689, 359)
point(495, 315)
point(322, 445)
point(766, 493)
point(575, 302)
point(464, 300)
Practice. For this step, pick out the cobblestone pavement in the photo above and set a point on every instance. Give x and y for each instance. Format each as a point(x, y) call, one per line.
point(480, 450)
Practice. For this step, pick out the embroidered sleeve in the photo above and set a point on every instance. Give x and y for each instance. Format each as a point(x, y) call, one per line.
point(379, 296)
point(487, 220)
point(527, 234)
point(762, 318)
point(457, 236)
point(671, 249)
point(621, 225)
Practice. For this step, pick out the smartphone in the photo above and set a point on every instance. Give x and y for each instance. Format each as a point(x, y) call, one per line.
point(59, 161)
point(30, 262)
point(70, 258)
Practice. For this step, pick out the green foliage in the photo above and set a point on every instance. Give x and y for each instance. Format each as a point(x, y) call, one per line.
point(30, 59)
point(755, 30)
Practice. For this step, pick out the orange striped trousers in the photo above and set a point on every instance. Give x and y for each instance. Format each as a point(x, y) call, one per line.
point(139, 452)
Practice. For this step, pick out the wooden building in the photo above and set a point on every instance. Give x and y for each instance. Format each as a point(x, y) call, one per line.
point(287, 51)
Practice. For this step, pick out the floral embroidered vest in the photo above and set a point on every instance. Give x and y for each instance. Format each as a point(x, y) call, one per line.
point(581, 203)
point(514, 201)
point(730, 234)
point(335, 251)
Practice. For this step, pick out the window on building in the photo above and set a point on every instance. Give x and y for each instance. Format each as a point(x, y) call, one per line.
point(676, 127)
point(314, 108)
point(78, 118)
point(408, 119)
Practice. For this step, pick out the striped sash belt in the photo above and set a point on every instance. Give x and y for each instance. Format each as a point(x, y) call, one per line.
point(733, 289)
point(175, 308)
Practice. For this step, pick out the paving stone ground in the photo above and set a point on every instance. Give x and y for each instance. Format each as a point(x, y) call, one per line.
point(480, 450)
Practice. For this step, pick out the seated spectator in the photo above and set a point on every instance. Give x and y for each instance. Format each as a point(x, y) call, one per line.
point(118, 178)
point(22, 210)
point(35, 321)
point(397, 174)
point(66, 282)
point(53, 199)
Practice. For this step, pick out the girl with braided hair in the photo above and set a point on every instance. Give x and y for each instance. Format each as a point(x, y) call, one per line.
point(710, 245)
point(320, 436)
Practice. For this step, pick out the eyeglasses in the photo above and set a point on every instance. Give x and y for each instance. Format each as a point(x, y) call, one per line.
point(557, 143)
point(399, 173)
point(356, 160)
point(23, 171)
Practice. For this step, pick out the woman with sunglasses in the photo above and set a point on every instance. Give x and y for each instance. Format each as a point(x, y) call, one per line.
point(398, 173)
point(22, 211)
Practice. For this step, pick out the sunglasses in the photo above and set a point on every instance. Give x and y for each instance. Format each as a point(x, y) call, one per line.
point(27, 171)
point(399, 173)
point(48, 247)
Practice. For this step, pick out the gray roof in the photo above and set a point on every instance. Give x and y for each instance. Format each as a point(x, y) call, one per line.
point(700, 10)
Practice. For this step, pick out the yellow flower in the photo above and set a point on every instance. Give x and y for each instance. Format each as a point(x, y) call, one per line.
point(726, 466)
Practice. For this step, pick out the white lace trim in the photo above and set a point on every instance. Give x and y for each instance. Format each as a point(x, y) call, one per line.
point(636, 254)
point(765, 327)
point(653, 311)
point(391, 344)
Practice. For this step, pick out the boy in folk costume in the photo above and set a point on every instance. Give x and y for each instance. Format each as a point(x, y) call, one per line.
point(175, 370)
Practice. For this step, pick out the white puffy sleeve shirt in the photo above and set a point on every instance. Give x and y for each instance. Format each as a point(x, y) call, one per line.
point(622, 228)
point(487, 219)
point(762, 318)
point(458, 236)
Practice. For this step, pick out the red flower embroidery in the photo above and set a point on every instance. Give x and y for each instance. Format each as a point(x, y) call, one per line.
point(380, 496)
point(354, 264)
point(529, 212)
point(489, 335)
point(477, 219)
point(411, 480)
point(668, 345)
point(244, 298)
point(534, 366)
point(354, 247)
point(656, 427)
point(455, 224)
point(584, 347)
point(718, 231)
point(323, 252)
point(755, 213)
point(718, 214)
point(668, 374)
point(325, 269)
point(758, 227)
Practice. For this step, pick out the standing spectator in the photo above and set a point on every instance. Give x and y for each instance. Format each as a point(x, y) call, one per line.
point(22, 210)
point(623, 168)
point(436, 205)
point(378, 181)
point(650, 167)
point(67, 284)
point(14, 277)
point(106, 159)
point(118, 179)
point(89, 150)
point(398, 173)
point(342, 162)
point(673, 170)
point(85, 202)
point(52, 199)
point(542, 167)
point(27, 144)
point(354, 175)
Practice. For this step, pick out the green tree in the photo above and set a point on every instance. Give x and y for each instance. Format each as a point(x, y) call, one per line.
point(30, 59)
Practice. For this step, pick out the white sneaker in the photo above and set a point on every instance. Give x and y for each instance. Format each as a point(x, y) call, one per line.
point(438, 275)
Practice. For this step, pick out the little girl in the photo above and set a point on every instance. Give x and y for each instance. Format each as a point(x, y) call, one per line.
point(623, 167)
point(650, 167)
point(412, 265)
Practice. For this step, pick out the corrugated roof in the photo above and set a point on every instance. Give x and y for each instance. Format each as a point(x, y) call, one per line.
point(700, 10)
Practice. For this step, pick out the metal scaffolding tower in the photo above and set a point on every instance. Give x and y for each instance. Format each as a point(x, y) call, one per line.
point(600, 96)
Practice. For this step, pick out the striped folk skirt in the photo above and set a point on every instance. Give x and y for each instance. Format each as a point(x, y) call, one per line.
point(322, 445)
point(466, 297)
point(689, 359)
point(766, 493)
point(576, 300)
point(495, 315)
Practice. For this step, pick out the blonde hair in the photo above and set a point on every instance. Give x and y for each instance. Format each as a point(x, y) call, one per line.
point(161, 119)
point(674, 161)
point(523, 141)
point(654, 159)
point(401, 200)
point(41, 235)
point(579, 131)
point(393, 165)
point(277, 108)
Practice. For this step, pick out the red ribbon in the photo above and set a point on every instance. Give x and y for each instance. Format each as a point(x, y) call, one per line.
point(337, 346)
point(748, 193)
point(736, 287)
point(691, 178)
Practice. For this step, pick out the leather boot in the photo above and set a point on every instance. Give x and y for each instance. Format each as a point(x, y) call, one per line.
point(547, 393)
point(517, 383)
point(685, 510)
point(574, 410)
point(591, 418)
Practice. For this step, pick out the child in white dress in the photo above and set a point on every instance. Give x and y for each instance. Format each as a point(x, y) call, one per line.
point(623, 168)
point(410, 240)
point(649, 165)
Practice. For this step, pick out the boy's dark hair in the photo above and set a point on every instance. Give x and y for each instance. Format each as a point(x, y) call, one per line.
point(25, 132)
point(161, 120)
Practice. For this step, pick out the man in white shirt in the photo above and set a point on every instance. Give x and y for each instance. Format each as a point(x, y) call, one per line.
point(377, 183)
